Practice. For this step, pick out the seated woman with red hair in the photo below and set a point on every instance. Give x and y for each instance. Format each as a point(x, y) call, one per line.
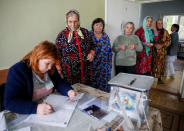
point(32, 79)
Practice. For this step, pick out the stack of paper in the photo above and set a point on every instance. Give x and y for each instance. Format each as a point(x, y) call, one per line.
point(63, 109)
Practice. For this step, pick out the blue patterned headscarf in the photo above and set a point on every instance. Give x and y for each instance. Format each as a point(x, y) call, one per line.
point(148, 33)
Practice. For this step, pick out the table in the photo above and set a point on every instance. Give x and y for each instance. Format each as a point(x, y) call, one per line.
point(81, 121)
point(154, 115)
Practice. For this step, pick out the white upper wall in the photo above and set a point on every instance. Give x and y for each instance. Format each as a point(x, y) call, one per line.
point(24, 23)
point(119, 12)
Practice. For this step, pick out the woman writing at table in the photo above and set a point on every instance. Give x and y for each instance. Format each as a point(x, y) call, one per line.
point(34, 78)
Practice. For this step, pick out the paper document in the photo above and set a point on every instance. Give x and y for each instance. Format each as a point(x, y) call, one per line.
point(63, 109)
point(24, 129)
point(79, 96)
point(89, 101)
point(95, 111)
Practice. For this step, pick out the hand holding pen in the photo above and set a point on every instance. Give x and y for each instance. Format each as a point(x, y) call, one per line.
point(72, 94)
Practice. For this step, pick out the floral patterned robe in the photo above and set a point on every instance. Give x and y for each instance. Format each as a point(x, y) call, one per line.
point(143, 64)
point(102, 63)
point(73, 67)
point(159, 56)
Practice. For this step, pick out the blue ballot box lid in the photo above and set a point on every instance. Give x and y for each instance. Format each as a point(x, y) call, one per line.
point(132, 81)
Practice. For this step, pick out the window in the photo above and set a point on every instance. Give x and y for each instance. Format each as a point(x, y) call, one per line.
point(174, 19)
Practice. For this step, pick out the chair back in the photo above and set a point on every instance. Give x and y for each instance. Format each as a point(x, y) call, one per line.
point(2, 89)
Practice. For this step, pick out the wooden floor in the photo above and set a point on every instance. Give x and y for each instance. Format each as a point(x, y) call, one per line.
point(165, 98)
point(172, 86)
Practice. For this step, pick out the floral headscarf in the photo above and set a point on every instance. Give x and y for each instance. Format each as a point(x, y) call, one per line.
point(148, 33)
point(71, 34)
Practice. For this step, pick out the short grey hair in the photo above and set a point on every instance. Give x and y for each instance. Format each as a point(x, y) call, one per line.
point(71, 13)
point(131, 23)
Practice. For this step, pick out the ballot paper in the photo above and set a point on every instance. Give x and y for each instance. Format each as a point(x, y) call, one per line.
point(99, 108)
point(24, 129)
point(95, 111)
point(63, 110)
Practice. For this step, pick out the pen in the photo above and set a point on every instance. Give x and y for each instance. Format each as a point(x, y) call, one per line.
point(131, 82)
point(53, 110)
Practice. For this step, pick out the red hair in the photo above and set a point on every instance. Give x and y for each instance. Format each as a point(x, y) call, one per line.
point(44, 50)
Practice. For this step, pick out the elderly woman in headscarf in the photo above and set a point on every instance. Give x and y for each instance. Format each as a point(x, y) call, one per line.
point(146, 36)
point(125, 47)
point(159, 51)
point(77, 51)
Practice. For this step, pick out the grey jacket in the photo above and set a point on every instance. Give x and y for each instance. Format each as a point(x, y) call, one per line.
point(128, 56)
point(173, 48)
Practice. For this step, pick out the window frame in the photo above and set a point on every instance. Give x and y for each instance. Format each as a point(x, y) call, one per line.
point(179, 18)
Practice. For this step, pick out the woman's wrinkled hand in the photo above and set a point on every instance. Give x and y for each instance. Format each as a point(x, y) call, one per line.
point(72, 94)
point(132, 46)
point(149, 44)
point(158, 46)
point(44, 109)
point(122, 47)
point(90, 57)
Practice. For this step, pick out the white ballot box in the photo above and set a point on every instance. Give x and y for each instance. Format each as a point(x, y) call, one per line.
point(129, 94)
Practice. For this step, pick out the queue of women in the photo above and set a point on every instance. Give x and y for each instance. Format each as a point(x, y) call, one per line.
point(82, 56)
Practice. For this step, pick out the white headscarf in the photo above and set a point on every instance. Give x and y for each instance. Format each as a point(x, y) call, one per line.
point(70, 35)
